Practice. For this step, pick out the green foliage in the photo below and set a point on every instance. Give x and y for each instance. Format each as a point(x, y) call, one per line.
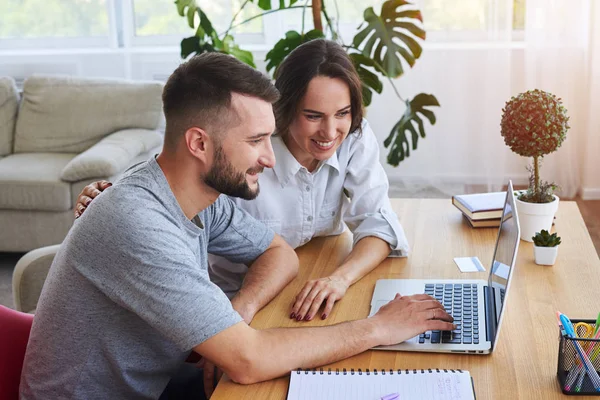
point(384, 46)
point(206, 38)
point(376, 40)
point(398, 137)
point(388, 41)
point(369, 81)
point(545, 239)
point(266, 4)
point(544, 194)
point(286, 45)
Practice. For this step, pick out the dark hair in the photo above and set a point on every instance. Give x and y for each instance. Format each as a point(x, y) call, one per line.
point(318, 57)
point(198, 93)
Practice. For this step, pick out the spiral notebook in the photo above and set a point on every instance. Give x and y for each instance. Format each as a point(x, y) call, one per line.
point(428, 384)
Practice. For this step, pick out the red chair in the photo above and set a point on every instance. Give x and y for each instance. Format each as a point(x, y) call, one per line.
point(14, 334)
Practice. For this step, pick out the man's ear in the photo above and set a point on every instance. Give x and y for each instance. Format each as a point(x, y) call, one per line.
point(198, 143)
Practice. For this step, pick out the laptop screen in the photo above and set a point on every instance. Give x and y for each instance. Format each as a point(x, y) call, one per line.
point(505, 253)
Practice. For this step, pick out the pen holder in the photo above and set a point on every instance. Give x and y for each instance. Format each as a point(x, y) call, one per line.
point(573, 377)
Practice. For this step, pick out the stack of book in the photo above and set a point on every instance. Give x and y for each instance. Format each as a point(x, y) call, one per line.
point(481, 210)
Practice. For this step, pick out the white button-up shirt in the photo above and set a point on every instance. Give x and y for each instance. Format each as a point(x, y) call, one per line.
point(348, 189)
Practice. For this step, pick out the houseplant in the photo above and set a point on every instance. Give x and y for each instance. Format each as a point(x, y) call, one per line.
point(545, 247)
point(383, 47)
point(534, 124)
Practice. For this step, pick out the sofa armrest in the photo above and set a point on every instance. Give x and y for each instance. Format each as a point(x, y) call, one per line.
point(111, 155)
point(29, 276)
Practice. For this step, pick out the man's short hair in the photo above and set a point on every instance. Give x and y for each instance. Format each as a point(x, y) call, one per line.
point(198, 94)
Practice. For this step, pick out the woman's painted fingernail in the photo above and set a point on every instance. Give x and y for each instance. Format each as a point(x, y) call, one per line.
point(298, 317)
point(307, 318)
point(323, 316)
point(293, 315)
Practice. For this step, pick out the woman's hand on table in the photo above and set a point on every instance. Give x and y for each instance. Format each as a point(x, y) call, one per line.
point(326, 290)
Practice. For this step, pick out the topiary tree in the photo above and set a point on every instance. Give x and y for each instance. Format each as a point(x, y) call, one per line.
point(534, 124)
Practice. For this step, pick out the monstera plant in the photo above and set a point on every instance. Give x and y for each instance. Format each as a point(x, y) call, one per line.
point(383, 47)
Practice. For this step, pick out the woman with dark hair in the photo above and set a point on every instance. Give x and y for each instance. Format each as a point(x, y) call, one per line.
point(327, 175)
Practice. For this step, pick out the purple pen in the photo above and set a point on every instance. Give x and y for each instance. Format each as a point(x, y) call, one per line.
point(391, 396)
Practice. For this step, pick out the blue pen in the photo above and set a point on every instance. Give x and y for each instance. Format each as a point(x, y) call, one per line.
point(591, 370)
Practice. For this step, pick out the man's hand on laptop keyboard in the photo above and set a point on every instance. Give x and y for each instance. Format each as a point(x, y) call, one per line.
point(407, 316)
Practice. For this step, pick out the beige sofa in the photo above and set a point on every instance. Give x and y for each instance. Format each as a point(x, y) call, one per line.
point(59, 135)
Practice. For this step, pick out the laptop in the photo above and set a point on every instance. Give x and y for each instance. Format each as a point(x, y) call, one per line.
point(476, 305)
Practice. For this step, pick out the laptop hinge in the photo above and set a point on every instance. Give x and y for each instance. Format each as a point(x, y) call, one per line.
point(490, 313)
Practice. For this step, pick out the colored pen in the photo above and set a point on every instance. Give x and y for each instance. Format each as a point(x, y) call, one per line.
point(591, 370)
point(580, 380)
point(593, 354)
point(581, 367)
point(560, 325)
point(391, 396)
point(579, 370)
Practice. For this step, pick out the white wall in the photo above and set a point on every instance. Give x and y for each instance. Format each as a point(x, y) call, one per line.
point(472, 84)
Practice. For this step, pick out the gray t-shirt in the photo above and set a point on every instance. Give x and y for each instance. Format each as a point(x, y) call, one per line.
point(128, 294)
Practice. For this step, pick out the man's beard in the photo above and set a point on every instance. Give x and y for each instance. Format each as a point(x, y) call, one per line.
point(225, 179)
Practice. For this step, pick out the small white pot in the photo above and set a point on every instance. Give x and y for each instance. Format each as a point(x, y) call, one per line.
point(533, 217)
point(545, 255)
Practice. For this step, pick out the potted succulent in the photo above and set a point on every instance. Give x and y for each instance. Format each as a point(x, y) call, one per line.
point(534, 124)
point(545, 247)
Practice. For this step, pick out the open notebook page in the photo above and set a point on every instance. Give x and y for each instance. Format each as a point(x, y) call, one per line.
point(410, 386)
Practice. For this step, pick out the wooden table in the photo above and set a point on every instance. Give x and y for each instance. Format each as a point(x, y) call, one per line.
point(524, 363)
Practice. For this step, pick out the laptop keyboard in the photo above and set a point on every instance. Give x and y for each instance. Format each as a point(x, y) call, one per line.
point(460, 301)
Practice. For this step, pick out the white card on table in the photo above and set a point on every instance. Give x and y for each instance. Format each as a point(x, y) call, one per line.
point(469, 264)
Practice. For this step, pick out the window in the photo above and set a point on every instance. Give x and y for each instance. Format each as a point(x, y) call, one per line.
point(519, 15)
point(54, 20)
point(465, 15)
point(125, 23)
point(444, 21)
point(160, 18)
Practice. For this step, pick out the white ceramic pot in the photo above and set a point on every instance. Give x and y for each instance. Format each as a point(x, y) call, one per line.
point(545, 255)
point(533, 217)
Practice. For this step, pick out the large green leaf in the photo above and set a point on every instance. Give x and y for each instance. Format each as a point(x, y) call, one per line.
point(398, 137)
point(228, 46)
point(194, 45)
point(391, 37)
point(369, 81)
point(285, 46)
point(205, 23)
point(266, 4)
point(205, 26)
point(182, 4)
point(206, 38)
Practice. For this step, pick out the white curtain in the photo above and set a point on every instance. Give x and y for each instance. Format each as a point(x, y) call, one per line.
point(557, 54)
point(473, 81)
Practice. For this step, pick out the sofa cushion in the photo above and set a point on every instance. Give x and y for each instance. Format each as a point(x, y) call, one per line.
point(32, 182)
point(111, 155)
point(77, 187)
point(70, 115)
point(9, 103)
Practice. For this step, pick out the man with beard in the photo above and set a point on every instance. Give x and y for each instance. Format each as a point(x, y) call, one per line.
point(128, 296)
